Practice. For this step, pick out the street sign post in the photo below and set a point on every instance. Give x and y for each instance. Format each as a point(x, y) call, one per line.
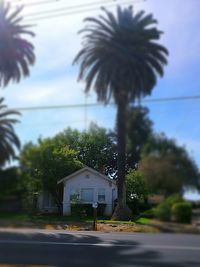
point(95, 206)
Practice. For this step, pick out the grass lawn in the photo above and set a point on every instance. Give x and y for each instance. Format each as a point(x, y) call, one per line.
point(143, 221)
point(52, 218)
point(40, 218)
point(115, 222)
point(139, 221)
point(76, 223)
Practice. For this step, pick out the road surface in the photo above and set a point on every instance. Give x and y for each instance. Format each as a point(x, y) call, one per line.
point(96, 249)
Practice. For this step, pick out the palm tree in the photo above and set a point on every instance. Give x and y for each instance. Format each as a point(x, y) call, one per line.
point(121, 59)
point(8, 139)
point(16, 53)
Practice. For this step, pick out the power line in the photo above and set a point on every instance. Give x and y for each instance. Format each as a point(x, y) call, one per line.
point(57, 107)
point(167, 99)
point(34, 3)
point(90, 105)
point(66, 8)
point(58, 15)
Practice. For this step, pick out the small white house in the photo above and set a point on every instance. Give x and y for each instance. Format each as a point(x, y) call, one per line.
point(88, 186)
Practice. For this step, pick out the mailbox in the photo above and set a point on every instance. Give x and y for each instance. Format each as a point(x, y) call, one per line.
point(95, 205)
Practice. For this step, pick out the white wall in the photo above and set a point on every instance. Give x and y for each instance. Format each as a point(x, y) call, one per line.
point(87, 179)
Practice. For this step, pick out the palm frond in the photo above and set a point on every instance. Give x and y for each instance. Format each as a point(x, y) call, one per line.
point(121, 52)
point(16, 53)
point(9, 141)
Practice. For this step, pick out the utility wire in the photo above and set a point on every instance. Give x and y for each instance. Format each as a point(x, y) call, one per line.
point(177, 98)
point(66, 8)
point(58, 15)
point(90, 105)
point(34, 3)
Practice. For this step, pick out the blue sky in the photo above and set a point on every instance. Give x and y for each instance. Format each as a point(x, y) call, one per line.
point(53, 80)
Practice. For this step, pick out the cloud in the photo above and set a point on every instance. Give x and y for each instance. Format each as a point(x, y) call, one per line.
point(61, 90)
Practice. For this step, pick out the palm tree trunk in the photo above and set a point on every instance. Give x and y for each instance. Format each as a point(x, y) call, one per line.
point(121, 147)
point(122, 212)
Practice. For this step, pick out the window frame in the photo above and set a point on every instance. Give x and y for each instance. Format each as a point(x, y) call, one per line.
point(87, 200)
point(100, 194)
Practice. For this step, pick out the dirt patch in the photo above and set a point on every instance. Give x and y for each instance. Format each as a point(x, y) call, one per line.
point(104, 227)
point(154, 226)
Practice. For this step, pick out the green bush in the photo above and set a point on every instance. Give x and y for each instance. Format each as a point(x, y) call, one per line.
point(163, 211)
point(182, 212)
point(86, 210)
point(138, 206)
point(148, 214)
point(134, 206)
point(173, 199)
point(101, 209)
point(144, 206)
point(82, 210)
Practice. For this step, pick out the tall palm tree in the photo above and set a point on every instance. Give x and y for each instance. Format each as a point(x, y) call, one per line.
point(8, 139)
point(121, 59)
point(16, 53)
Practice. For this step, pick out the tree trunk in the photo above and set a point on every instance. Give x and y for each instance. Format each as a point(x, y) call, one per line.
point(58, 201)
point(122, 212)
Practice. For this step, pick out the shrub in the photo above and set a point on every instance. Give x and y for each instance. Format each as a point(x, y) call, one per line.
point(138, 206)
point(81, 210)
point(173, 199)
point(163, 212)
point(134, 206)
point(101, 209)
point(148, 214)
point(86, 210)
point(144, 206)
point(182, 212)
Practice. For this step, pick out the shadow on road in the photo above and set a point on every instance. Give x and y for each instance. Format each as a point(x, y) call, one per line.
point(78, 250)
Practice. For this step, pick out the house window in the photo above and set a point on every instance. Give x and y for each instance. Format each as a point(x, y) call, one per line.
point(87, 195)
point(74, 195)
point(101, 195)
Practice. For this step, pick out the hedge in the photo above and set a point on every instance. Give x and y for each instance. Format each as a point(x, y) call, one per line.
point(182, 212)
point(86, 210)
point(148, 214)
point(163, 212)
point(173, 199)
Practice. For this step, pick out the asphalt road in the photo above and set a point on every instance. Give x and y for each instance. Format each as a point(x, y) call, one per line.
point(59, 248)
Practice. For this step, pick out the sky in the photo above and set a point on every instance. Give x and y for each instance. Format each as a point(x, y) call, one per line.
point(53, 79)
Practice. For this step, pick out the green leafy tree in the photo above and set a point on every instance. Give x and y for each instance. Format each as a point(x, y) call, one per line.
point(136, 186)
point(8, 138)
point(44, 164)
point(139, 129)
point(95, 147)
point(16, 53)
point(10, 183)
point(137, 191)
point(167, 167)
point(121, 59)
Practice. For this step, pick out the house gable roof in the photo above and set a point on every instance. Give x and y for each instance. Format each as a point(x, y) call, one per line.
point(86, 168)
